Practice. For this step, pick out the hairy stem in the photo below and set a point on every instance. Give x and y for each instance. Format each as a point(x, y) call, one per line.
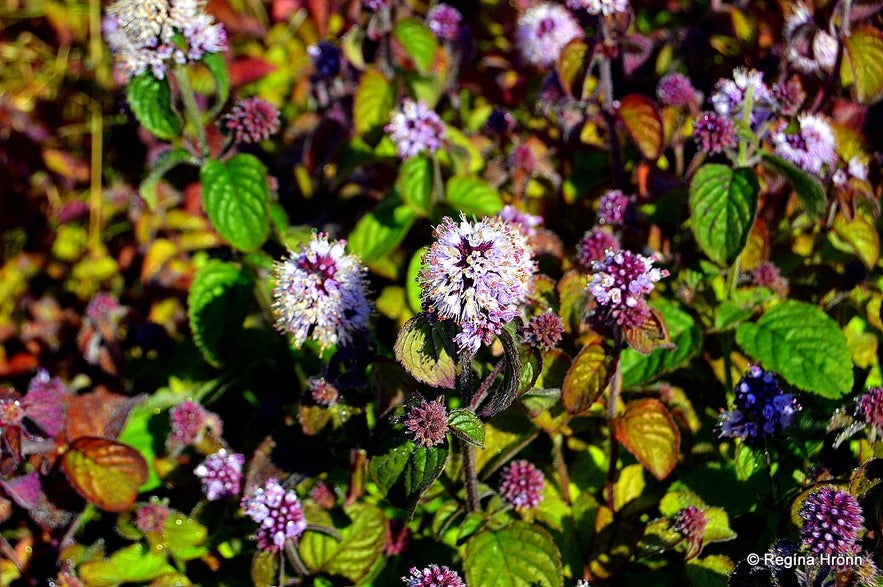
point(615, 383)
point(471, 474)
point(191, 110)
point(485, 386)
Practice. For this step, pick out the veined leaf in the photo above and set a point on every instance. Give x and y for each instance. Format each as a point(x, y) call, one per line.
point(236, 198)
point(151, 102)
point(723, 202)
point(518, 555)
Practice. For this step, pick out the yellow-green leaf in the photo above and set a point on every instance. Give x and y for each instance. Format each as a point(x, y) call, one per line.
point(648, 431)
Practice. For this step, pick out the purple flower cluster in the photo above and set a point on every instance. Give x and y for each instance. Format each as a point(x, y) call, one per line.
point(612, 208)
point(832, 521)
point(730, 94)
point(767, 275)
point(544, 331)
point(869, 408)
point(36, 415)
point(522, 485)
point(593, 246)
point(543, 31)
point(811, 147)
point(444, 21)
point(221, 474)
point(762, 408)
point(190, 421)
point(714, 133)
point(690, 522)
point(141, 34)
point(619, 284)
point(595, 7)
point(252, 120)
point(415, 128)
point(476, 274)
point(433, 576)
point(279, 513)
point(676, 90)
point(525, 222)
point(152, 517)
point(323, 391)
point(427, 423)
point(320, 294)
point(326, 58)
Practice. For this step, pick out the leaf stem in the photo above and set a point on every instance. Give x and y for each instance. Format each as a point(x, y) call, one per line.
point(471, 474)
point(615, 383)
point(191, 109)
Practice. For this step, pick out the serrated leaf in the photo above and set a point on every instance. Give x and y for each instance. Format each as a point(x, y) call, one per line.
point(648, 431)
point(642, 120)
point(587, 377)
point(723, 202)
point(163, 164)
point(236, 199)
point(412, 287)
point(360, 545)
point(518, 555)
point(415, 183)
point(151, 102)
point(418, 41)
point(863, 50)
point(424, 466)
point(216, 305)
point(105, 472)
point(802, 344)
point(470, 194)
point(425, 353)
point(503, 396)
point(858, 237)
point(638, 368)
point(373, 102)
point(389, 455)
point(132, 564)
point(215, 63)
point(807, 187)
point(573, 65)
point(466, 425)
point(380, 231)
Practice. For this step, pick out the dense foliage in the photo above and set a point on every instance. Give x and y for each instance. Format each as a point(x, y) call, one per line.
point(496, 294)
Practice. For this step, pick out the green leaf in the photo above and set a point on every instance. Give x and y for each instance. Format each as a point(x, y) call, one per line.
point(425, 352)
point(218, 67)
point(105, 472)
point(648, 431)
point(587, 377)
point(424, 467)
point(470, 194)
point(802, 344)
point(503, 396)
point(412, 287)
point(360, 545)
point(373, 102)
point(380, 231)
point(389, 457)
point(128, 565)
point(216, 305)
point(807, 187)
point(643, 122)
point(863, 50)
point(415, 184)
point(236, 199)
point(638, 368)
point(163, 164)
point(711, 571)
point(418, 41)
point(518, 555)
point(466, 425)
point(858, 237)
point(151, 102)
point(139, 436)
point(572, 67)
point(531, 367)
point(723, 202)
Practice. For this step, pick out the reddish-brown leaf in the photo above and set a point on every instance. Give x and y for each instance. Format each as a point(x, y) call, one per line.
point(649, 432)
point(99, 413)
point(572, 67)
point(651, 334)
point(587, 376)
point(105, 472)
point(246, 70)
point(643, 122)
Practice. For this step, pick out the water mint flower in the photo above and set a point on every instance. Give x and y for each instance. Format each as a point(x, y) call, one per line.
point(525, 222)
point(869, 408)
point(444, 21)
point(811, 147)
point(543, 31)
point(152, 516)
point(190, 422)
point(323, 391)
point(279, 513)
point(690, 522)
point(612, 208)
point(320, 294)
point(476, 274)
point(544, 331)
point(427, 423)
point(522, 485)
point(730, 94)
point(415, 128)
point(714, 133)
point(593, 246)
point(433, 576)
point(252, 120)
point(595, 7)
point(221, 474)
point(675, 89)
point(619, 284)
point(762, 408)
point(832, 520)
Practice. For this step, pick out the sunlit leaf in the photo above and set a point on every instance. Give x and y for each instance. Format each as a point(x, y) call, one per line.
point(415, 183)
point(236, 199)
point(863, 50)
point(426, 353)
point(519, 555)
point(373, 102)
point(588, 376)
point(572, 67)
point(858, 237)
point(381, 230)
point(472, 195)
point(807, 187)
point(105, 472)
point(642, 120)
point(151, 101)
point(417, 40)
point(132, 564)
point(466, 425)
point(648, 431)
point(360, 545)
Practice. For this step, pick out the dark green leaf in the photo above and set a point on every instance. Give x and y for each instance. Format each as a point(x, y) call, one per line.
point(151, 102)
point(415, 183)
point(466, 425)
point(425, 352)
point(360, 545)
point(518, 555)
point(723, 202)
point(216, 305)
point(505, 394)
point(236, 198)
point(216, 64)
point(808, 188)
point(424, 466)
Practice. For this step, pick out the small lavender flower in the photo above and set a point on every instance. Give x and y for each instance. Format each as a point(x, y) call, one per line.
point(190, 421)
point(593, 246)
point(476, 274)
point(544, 331)
point(789, 95)
point(415, 128)
point(376, 5)
point(522, 485)
point(676, 90)
point(762, 408)
point(729, 96)
point(595, 7)
point(427, 423)
point(714, 133)
point(279, 513)
point(612, 208)
point(323, 391)
point(811, 148)
point(832, 522)
point(444, 21)
point(320, 294)
point(433, 576)
point(767, 275)
point(543, 31)
point(326, 58)
point(221, 474)
point(152, 517)
point(252, 120)
point(869, 408)
point(690, 522)
point(619, 285)
point(525, 222)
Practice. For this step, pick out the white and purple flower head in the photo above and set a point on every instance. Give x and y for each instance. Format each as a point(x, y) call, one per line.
point(522, 485)
point(525, 222)
point(433, 576)
point(444, 20)
point(619, 283)
point(544, 30)
point(279, 513)
point(811, 148)
point(321, 294)
point(832, 521)
point(221, 474)
point(476, 274)
point(415, 128)
point(604, 7)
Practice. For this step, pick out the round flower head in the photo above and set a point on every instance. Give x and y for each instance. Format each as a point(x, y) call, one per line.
point(593, 246)
point(323, 391)
point(730, 95)
point(476, 274)
point(869, 408)
point(690, 522)
point(612, 208)
point(252, 120)
point(326, 58)
point(190, 422)
point(320, 294)
point(544, 331)
point(595, 7)
point(279, 513)
point(525, 222)
point(433, 576)
point(444, 21)
point(676, 90)
point(152, 517)
point(142, 34)
point(522, 485)
point(832, 520)
point(811, 148)
point(619, 284)
point(221, 474)
point(762, 408)
point(415, 128)
point(789, 95)
point(714, 133)
point(427, 423)
point(767, 275)
point(544, 30)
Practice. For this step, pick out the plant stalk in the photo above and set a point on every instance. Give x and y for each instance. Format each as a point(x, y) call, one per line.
point(191, 109)
point(615, 383)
